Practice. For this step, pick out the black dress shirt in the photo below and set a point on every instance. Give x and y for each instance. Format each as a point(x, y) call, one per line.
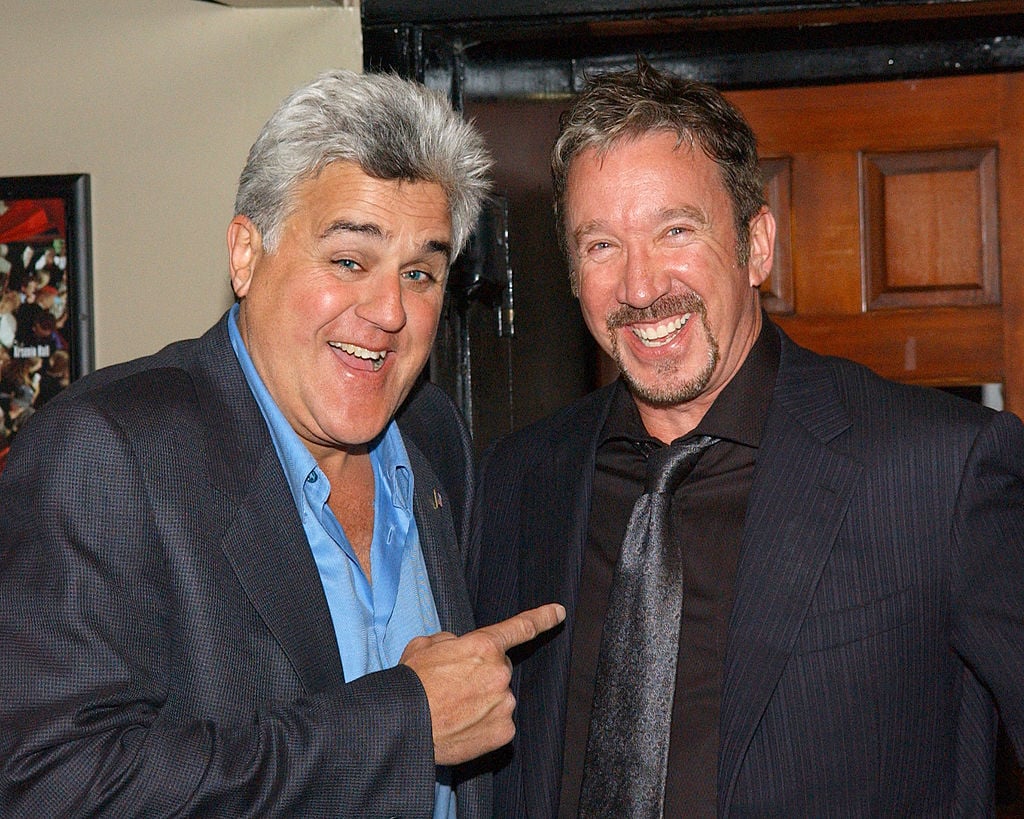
point(708, 511)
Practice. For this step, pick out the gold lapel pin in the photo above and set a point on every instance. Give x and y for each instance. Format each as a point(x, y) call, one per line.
point(437, 500)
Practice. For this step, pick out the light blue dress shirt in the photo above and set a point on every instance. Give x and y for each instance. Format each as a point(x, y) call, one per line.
point(372, 623)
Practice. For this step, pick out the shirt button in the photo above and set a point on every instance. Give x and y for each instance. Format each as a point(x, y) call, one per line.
point(311, 477)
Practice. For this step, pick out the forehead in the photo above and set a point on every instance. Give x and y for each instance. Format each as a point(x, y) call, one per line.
point(650, 171)
point(342, 190)
point(664, 151)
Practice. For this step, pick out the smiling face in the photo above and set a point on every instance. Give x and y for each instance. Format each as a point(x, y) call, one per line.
point(339, 319)
point(651, 231)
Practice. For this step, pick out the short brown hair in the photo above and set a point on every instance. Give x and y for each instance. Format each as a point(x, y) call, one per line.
point(627, 104)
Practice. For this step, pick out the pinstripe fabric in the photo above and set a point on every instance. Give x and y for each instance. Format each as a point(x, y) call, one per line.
point(167, 645)
point(518, 559)
point(879, 598)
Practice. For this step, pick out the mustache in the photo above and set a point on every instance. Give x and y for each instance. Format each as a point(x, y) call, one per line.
point(669, 305)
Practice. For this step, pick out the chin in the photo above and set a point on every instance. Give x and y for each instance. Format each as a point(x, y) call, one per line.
point(360, 434)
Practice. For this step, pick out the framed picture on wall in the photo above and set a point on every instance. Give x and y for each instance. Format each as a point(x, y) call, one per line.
point(45, 292)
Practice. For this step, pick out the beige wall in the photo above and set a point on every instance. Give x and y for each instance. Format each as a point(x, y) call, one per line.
point(158, 101)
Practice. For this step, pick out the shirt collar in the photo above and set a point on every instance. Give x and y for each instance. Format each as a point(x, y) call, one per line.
point(741, 408)
point(387, 452)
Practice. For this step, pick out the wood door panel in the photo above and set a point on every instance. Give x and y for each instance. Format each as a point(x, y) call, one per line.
point(930, 227)
point(902, 242)
point(826, 234)
point(896, 114)
point(1011, 239)
point(937, 347)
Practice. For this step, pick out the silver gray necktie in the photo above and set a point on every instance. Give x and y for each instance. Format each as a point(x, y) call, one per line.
point(627, 747)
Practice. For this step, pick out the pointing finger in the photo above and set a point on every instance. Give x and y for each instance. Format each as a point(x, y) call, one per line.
point(526, 625)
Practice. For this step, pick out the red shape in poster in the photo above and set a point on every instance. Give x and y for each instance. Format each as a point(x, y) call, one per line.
point(30, 220)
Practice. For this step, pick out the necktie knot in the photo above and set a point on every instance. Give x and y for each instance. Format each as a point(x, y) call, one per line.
point(668, 466)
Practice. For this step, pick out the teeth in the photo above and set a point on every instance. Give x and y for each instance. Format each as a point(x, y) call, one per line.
point(376, 356)
point(657, 336)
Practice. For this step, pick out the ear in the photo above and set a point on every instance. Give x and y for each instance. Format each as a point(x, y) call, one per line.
point(245, 246)
point(762, 247)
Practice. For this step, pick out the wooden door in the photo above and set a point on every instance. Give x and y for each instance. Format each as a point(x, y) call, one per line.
point(898, 244)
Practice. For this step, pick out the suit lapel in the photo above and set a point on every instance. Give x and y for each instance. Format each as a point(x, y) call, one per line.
point(263, 540)
point(432, 507)
point(272, 559)
point(801, 489)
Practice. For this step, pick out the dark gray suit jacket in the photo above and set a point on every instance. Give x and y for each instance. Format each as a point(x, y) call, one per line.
point(166, 644)
point(879, 597)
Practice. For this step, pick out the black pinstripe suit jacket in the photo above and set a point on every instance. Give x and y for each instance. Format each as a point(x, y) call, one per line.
point(879, 598)
point(166, 644)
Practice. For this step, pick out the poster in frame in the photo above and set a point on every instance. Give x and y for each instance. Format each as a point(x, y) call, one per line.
point(45, 292)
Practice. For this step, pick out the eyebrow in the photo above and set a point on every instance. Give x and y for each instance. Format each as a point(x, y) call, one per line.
point(430, 247)
point(593, 226)
point(686, 212)
point(667, 215)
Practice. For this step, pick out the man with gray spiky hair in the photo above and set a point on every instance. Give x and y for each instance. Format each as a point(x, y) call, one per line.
point(230, 579)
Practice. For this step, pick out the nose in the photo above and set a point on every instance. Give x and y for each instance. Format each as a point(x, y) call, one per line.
point(643, 280)
point(382, 303)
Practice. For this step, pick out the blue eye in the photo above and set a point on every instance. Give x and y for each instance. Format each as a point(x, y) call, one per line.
point(346, 263)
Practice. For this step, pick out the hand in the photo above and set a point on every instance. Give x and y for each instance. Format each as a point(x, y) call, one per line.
point(466, 679)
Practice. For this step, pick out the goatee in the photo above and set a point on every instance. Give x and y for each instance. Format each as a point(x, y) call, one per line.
point(664, 389)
